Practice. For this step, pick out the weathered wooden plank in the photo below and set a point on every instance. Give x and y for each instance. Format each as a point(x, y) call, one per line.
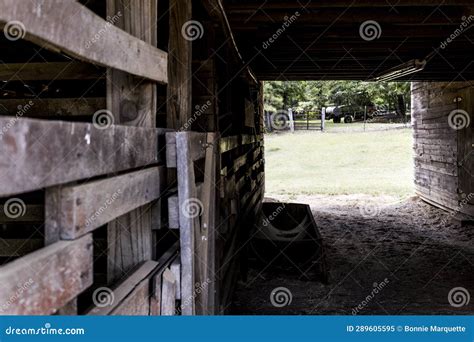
point(188, 217)
point(175, 268)
point(168, 293)
point(71, 70)
point(137, 303)
point(82, 208)
point(129, 242)
point(39, 153)
point(50, 278)
point(123, 293)
point(132, 102)
point(197, 147)
point(179, 90)
point(53, 25)
point(155, 298)
point(208, 227)
point(50, 107)
point(173, 207)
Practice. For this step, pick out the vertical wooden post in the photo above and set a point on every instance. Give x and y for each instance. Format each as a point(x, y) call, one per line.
point(132, 102)
point(323, 118)
point(292, 122)
point(179, 100)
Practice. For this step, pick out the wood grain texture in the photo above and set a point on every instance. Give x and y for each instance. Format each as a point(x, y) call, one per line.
point(179, 91)
point(39, 153)
point(44, 281)
point(132, 102)
point(53, 25)
point(82, 208)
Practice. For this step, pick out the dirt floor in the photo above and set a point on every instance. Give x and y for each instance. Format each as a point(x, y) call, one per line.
point(384, 255)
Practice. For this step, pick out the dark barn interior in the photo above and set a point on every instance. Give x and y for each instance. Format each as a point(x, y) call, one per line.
point(132, 143)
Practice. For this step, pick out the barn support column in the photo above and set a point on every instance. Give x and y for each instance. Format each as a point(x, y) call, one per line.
point(131, 101)
point(179, 92)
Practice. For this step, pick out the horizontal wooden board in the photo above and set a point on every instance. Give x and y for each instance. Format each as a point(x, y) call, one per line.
point(39, 153)
point(54, 25)
point(46, 280)
point(82, 208)
point(128, 291)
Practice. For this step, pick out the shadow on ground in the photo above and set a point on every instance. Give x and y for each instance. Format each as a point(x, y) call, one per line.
point(384, 257)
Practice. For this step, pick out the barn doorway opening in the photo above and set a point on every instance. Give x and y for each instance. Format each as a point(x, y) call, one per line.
point(385, 250)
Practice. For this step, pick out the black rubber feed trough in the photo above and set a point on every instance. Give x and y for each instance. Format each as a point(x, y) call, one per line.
point(287, 238)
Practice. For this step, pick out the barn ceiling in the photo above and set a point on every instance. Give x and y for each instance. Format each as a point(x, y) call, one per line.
point(350, 39)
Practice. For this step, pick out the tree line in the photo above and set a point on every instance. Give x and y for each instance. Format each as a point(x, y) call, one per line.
point(311, 96)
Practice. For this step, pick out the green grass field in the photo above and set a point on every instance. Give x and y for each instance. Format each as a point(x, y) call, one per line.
point(344, 162)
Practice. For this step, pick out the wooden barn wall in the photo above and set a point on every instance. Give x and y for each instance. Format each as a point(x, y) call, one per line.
point(442, 125)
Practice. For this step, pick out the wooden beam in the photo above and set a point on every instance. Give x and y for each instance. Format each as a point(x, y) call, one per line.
point(187, 223)
point(217, 12)
point(179, 91)
point(39, 153)
point(54, 25)
point(82, 208)
point(133, 103)
point(49, 278)
point(126, 292)
point(50, 71)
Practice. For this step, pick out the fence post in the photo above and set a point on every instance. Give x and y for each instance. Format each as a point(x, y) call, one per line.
point(292, 122)
point(323, 118)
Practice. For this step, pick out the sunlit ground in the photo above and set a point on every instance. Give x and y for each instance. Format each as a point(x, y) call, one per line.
point(345, 160)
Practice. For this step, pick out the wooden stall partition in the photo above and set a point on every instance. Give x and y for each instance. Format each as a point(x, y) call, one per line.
point(78, 173)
